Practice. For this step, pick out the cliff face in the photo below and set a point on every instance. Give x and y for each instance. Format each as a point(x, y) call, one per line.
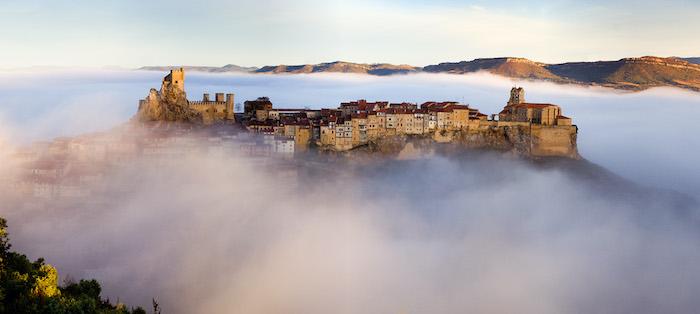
point(524, 141)
point(169, 104)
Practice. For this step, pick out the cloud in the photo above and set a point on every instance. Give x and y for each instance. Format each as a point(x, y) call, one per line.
point(480, 233)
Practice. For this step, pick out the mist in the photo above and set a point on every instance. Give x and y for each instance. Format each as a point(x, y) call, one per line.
point(648, 137)
point(475, 232)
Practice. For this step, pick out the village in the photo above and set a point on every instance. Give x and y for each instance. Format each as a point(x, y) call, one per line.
point(77, 168)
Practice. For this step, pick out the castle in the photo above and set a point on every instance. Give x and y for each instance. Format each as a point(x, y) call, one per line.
point(172, 95)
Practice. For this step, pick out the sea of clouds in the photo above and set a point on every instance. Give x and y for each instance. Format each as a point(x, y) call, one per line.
point(650, 137)
point(479, 234)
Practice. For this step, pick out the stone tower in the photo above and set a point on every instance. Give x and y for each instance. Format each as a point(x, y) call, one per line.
point(229, 107)
point(517, 96)
point(176, 78)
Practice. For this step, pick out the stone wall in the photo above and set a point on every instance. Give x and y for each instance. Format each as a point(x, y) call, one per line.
point(554, 141)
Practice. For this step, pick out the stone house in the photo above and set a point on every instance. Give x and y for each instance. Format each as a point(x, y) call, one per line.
point(376, 125)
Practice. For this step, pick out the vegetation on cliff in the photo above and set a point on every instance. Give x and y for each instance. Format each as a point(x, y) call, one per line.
point(32, 287)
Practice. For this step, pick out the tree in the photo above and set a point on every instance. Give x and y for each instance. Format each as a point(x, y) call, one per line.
point(32, 287)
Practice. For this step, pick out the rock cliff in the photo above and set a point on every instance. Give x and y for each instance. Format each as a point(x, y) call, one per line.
point(530, 142)
point(169, 104)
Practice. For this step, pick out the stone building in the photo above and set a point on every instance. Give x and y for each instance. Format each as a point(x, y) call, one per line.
point(258, 109)
point(517, 110)
point(212, 110)
point(218, 109)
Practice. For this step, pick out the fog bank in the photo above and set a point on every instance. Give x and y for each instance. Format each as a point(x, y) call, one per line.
point(648, 137)
point(479, 234)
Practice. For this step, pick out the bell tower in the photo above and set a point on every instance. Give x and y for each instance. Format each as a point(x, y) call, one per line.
point(517, 96)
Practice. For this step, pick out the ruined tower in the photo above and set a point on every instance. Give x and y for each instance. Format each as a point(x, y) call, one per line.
point(517, 96)
point(175, 78)
point(229, 107)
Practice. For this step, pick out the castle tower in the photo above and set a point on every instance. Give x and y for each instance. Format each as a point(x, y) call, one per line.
point(175, 78)
point(517, 96)
point(229, 107)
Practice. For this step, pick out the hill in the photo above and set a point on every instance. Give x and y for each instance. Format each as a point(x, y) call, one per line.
point(632, 73)
point(628, 73)
point(509, 67)
point(692, 60)
point(341, 67)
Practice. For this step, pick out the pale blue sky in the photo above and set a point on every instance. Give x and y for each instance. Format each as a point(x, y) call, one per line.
point(258, 32)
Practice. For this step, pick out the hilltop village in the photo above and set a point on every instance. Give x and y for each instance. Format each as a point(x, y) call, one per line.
point(530, 129)
point(169, 128)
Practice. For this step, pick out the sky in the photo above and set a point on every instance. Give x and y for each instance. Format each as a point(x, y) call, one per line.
point(132, 33)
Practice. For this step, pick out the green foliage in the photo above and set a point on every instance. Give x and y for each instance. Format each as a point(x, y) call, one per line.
point(32, 287)
point(47, 285)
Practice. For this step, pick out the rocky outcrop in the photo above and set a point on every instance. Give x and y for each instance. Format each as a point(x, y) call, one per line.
point(169, 104)
point(523, 141)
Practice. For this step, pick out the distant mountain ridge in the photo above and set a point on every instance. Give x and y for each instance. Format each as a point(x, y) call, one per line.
point(509, 67)
point(342, 67)
point(693, 60)
point(629, 73)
